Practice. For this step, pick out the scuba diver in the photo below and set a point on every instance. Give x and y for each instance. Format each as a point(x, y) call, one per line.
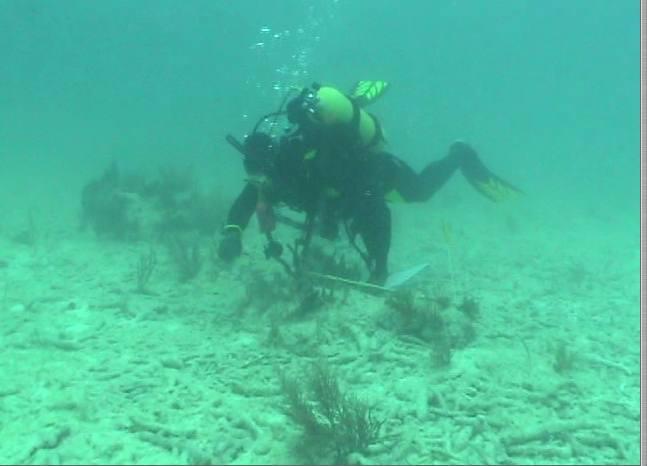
point(331, 164)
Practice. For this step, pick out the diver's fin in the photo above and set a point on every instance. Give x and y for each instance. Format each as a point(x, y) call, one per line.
point(367, 92)
point(495, 188)
point(484, 181)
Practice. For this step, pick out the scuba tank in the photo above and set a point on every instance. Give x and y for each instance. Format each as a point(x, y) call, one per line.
point(325, 107)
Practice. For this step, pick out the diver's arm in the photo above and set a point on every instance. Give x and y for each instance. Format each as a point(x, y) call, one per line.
point(243, 208)
point(231, 245)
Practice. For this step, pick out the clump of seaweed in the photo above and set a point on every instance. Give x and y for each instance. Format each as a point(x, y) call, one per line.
point(334, 423)
point(433, 320)
point(442, 301)
point(310, 299)
point(416, 315)
point(470, 307)
point(264, 289)
point(441, 352)
point(185, 254)
point(331, 263)
point(275, 335)
point(131, 206)
point(28, 236)
point(144, 270)
point(563, 358)
point(105, 208)
point(181, 205)
point(294, 297)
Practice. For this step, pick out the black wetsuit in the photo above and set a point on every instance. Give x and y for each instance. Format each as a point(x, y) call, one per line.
point(361, 179)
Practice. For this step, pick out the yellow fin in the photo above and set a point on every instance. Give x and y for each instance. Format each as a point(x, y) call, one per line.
point(497, 190)
point(367, 92)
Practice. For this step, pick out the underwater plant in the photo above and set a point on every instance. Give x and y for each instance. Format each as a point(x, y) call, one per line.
point(181, 205)
point(334, 423)
point(105, 208)
point(433, 320)
point(28, 236)
point(186, 256)
point(441, 352)
point(145, 266)
point(563, 358)
point(294, 297)
point(417, 316)
point(330, 263)
point(264, 289)
point(310, 299)
point(470, 307)
point(128, 206)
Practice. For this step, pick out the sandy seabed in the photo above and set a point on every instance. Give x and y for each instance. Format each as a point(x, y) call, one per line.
point(94, 372)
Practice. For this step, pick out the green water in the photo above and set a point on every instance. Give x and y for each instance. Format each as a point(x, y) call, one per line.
point(96, 370)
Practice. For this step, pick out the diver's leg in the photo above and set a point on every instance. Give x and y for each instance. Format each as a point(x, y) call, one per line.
point(372, 221)
point(329, 220)
point(414, 187)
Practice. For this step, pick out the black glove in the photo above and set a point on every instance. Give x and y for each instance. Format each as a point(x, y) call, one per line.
point(231, 245)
